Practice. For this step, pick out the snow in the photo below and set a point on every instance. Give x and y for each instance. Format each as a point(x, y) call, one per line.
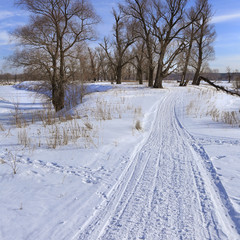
point(176, 178)
point(220, 140)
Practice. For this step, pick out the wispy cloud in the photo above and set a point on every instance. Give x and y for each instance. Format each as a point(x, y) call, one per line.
point(225, 18)
point(5, 14)
point(8, 14)
point(11, 25)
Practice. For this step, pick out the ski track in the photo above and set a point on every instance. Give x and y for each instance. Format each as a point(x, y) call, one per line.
point(165, 192)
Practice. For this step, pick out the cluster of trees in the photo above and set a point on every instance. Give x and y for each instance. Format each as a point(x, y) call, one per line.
point(151, 39)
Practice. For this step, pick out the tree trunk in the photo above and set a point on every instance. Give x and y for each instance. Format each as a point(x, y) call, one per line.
point(139, 75)
point(159, 77)
point(184, 82)
point(196, 77)
point(119, 74)
point(183, 79)
point(54, 87)
point(58, 95)
point(198, 69)
point(150, 76)
point(58, 90)
point(158, 82)
point(229, 77)
point(219, 87)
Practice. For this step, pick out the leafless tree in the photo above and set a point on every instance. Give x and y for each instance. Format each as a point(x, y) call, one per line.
point(212, 74)
point(55, 28)
point(140, 12)
point(169, 23)
point(190, 33)
point(103, 64)
point(203, 50)
point(77, 62)
point(139, 51)
point(93, 63)
point(118, 50)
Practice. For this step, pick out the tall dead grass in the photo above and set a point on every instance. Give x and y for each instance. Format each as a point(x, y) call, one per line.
point(59, 134)
point(2, 129)
point(203, 105)
point(23, 138)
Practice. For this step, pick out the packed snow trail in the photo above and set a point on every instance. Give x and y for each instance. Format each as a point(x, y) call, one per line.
point(165, 191)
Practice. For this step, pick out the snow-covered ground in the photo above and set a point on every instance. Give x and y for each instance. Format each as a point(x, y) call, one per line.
point(128, 163)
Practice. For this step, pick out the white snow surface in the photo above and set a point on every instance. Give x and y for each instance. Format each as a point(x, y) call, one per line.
point(178, 177)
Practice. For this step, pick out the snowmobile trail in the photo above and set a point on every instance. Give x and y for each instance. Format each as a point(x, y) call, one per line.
point(165, 192)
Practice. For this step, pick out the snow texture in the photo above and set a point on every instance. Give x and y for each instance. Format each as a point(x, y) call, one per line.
point(177, 178)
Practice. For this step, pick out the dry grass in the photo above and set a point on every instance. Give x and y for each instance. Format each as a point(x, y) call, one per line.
point(230, 118)
point(2, 129)
point(236, 83)
point(17, 116)
point(88, 125)
point(59, 134)
point(202, 105)
point(47, 116)
point(2, 161)
point(61, 129)
point(53, 139)
point(71, 132)
point(23, 138)
point(138, 112)
point(138, 125)
point(11, 160)
point(103, 111)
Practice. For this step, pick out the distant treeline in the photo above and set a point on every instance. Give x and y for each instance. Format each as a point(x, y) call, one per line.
point(211, 76)
point(12, 78)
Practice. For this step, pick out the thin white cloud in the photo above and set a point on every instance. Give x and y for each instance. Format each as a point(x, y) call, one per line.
point(11, 25)
point(6, 14)
point(225, 18)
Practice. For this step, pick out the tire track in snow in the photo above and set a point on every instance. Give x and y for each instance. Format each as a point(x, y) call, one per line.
point(164, 193)
point(95, 225)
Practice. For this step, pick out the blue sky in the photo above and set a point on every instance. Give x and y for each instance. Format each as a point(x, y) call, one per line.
point(226, 20)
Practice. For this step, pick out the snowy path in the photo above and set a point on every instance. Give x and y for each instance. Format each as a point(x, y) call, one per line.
point(165, 192)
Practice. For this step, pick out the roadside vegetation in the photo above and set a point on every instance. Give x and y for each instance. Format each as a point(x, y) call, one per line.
point(208, 102)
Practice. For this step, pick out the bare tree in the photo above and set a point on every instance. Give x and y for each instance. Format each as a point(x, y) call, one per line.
point(103, 64)
point(139, 51)
point(54, 29)
point(77, 63)
point(168, 23)
point(229, 74)
point(212, 74)
point(203, 50)
point(93, 64)
point(123, 39)
point(140, 12)
point(190, 33)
